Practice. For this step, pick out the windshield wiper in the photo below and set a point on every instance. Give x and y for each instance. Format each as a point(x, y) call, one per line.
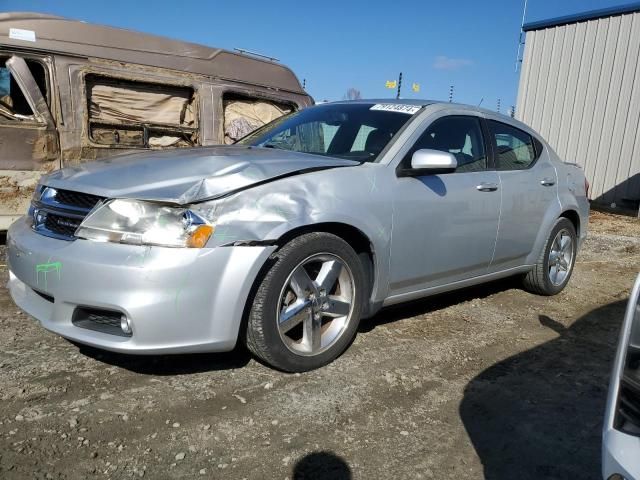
point(271, 145)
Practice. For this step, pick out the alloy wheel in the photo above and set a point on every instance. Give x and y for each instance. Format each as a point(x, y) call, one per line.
point(316, 304)
point(561, 257)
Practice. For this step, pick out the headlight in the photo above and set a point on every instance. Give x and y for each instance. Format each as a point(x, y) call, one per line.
point(145, 223)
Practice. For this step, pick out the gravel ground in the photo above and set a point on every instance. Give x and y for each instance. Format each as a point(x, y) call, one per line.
point(489, 382)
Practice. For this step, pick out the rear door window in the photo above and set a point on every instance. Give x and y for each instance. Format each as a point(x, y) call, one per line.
point(125, 113)
point(514, 147)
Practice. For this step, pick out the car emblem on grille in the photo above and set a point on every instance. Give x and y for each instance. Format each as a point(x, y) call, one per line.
point(66, 223)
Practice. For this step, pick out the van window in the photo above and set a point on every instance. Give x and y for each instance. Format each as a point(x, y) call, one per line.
point(243, 115)
point(137, 114)
point(13, 104)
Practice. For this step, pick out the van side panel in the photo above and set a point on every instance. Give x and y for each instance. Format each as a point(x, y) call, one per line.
point(72, 50)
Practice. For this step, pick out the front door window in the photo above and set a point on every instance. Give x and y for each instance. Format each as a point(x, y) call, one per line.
point(459, 135)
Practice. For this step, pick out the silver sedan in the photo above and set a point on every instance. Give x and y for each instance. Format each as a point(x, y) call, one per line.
point(288, 238)
point(621, 433)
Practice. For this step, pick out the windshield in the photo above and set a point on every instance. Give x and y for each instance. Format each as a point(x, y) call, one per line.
point(353, 131)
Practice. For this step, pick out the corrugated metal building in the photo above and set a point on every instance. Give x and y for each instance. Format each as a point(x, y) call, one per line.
point(580, 88)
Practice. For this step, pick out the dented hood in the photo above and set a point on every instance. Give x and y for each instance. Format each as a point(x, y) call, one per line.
point(186, 175)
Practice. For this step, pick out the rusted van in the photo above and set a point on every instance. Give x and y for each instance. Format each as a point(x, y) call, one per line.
point(72, 92)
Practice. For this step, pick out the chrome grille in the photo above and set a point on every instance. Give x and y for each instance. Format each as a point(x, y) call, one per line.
point(61, 225)
point(628, 408)
point(76, 199)
point(629, 402)
point(58, 213)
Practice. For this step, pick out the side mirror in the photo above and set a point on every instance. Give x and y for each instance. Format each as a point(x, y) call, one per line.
point(426, 161)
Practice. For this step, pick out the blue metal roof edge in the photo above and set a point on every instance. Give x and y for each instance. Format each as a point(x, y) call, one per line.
point(582, 17)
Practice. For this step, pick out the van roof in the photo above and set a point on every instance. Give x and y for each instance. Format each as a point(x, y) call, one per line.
point(40, 32)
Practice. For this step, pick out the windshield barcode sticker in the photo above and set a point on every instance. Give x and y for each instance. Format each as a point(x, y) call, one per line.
point(396, 107)
point(20, 34)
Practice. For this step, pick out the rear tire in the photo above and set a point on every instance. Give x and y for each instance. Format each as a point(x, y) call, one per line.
point(554, 267)
point(307, 307)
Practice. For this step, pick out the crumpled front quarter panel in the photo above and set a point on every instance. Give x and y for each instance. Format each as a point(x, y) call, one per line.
point(356, 196)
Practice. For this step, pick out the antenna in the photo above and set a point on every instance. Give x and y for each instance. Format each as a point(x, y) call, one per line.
point(249, 52)
point(480, 102)
point(521, 37)
point(451, 94)
point(399, 85)
point(498, 105)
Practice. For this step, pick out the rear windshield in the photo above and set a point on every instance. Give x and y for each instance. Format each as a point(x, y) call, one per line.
point(351, 131)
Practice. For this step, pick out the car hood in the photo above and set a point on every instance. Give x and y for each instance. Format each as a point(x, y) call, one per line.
point(186, 175)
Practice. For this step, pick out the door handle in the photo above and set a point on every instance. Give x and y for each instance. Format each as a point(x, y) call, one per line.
point(547, 182)
point(487, 187)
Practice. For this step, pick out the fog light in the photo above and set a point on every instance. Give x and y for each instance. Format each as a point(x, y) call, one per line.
point(125, 324)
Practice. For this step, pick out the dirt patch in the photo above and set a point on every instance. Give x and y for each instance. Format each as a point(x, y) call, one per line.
point(489, 382)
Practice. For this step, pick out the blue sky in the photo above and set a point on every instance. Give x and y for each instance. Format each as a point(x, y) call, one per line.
point(336, 45)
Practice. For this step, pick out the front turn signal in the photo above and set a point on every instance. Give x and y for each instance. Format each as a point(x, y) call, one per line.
point(200, 236)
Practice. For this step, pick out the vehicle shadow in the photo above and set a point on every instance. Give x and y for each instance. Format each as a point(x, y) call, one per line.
point(437, 302)
point(164, 365)
point(321, 466)
point(539, 414)
point(183, 364)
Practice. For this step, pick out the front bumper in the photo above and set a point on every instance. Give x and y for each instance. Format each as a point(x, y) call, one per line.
point(178, 299)
point(620, 455)
point(621, 449)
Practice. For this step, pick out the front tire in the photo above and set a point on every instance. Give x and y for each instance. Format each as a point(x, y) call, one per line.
point(307, 307)
point(552, 271)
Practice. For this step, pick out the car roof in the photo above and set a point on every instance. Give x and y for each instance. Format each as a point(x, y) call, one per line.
point(421, 103)
point(443, 105)
point(63, 35)
point(392, 101)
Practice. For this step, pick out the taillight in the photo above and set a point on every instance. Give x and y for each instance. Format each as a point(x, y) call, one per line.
point(586, 187)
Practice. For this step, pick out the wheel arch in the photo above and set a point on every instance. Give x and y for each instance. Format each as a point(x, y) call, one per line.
point(574, 218)
point(552, 215)
point(355, 237)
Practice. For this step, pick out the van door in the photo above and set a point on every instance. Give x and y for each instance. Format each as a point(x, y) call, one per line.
point(28, 137)
point(27, 128)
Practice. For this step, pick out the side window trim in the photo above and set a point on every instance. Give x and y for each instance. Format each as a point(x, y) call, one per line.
point(490, 150)
point(494, 147)
point(538, 147)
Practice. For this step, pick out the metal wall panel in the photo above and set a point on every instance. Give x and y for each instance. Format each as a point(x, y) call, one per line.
point(580, 88)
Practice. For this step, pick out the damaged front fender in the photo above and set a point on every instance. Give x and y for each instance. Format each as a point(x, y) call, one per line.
point(265, 213)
